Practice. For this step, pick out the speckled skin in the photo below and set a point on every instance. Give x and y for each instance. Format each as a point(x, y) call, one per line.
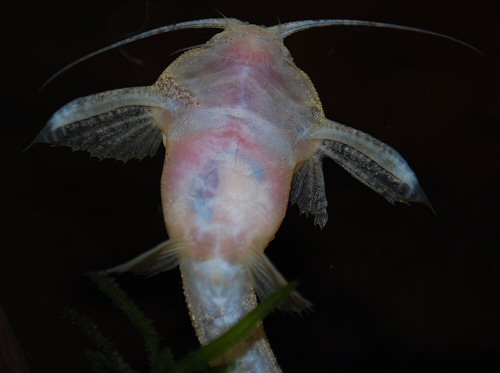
point(236, 148)
point(229, 165)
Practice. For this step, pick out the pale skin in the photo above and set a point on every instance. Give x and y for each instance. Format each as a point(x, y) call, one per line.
point(244, 133)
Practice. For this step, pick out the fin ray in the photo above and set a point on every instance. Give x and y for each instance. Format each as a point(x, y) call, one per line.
point(161, 258)
point(267, 280)
point(372, 162)
point(308, 190)
point(121, 123)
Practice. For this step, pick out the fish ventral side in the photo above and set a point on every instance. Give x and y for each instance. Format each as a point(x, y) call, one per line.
point(244, 132)
point(231, 156)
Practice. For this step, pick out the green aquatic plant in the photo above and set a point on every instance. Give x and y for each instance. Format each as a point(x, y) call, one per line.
point(107, 359)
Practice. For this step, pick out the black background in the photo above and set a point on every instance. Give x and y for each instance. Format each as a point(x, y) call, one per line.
point(395, 288)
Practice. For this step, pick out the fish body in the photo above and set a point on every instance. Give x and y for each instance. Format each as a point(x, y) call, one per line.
point(244, 133)
point(228, 168)
point(231, 157)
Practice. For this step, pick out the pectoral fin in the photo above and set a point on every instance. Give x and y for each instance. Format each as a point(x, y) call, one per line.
point(372, 162)
point(122, 123)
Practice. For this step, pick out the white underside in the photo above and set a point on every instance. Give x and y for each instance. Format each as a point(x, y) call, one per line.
point(219, 294)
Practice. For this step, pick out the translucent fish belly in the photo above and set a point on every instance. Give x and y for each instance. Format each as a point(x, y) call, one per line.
point(223, 193)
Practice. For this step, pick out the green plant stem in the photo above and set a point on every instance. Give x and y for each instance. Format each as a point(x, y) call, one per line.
point(201, 358)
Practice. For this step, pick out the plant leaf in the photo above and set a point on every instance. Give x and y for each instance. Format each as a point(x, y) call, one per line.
point(158, 360)
point(199, 359)
point(108, 359)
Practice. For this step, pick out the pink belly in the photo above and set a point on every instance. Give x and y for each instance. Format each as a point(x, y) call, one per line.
point(223, 193)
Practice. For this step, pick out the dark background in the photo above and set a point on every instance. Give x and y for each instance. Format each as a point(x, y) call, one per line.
point(395, 288)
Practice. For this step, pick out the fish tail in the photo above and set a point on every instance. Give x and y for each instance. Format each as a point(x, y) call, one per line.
point(219, 294)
